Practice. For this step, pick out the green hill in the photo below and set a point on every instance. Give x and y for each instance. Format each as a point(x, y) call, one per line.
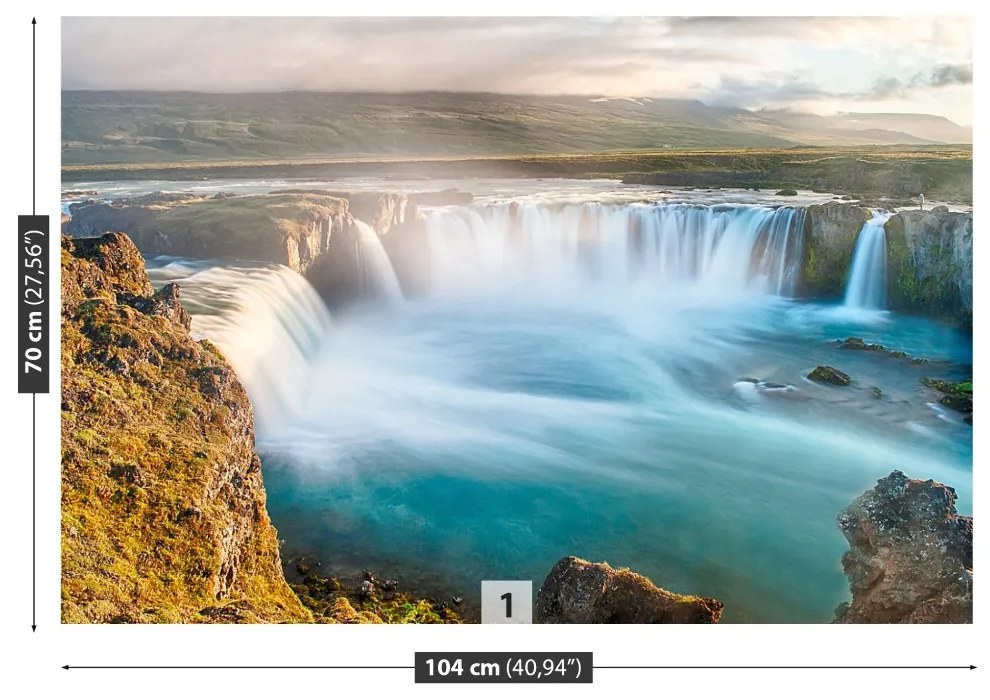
point(146, 127)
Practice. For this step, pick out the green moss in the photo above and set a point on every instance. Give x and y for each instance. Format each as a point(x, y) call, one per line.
point(955, 395)
point(935, 294)
point(327, 599)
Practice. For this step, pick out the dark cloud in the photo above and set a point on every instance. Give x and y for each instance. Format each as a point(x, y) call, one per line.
point(952, 74)
point(944, 75)
point(882, 88)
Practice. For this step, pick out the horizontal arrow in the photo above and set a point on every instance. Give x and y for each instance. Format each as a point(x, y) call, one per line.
point(803, 668)
point(375, 668)
point(236, 668)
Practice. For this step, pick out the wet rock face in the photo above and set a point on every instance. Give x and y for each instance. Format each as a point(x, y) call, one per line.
point(580, 592)
point(930, 264)
point(910, 555)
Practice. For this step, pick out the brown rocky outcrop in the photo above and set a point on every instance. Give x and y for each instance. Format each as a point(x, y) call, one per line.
point(580, 592)
point(163, 505)
point(910, 555)
point(383, 211)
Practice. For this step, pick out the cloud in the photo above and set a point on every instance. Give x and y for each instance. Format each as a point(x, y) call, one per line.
point(939, 77)
point(960, 74)
point(727, 60)
point(772, 89)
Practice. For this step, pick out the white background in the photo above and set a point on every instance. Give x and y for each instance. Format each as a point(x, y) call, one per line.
point(32, 661)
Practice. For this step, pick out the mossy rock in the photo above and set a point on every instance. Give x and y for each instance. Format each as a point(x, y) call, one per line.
point(829, 375)
point(163, 505)
point(955, 395)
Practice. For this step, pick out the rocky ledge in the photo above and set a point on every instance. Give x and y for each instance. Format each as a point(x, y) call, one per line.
point(163, 505)
point(910, 555)
point(290, 228)
point(580, 592)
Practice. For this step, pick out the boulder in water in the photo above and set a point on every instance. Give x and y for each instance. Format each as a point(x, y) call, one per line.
point(580, 592)
point(787, 192)
point(860, 344)
point(957, 396)
point(854, 343)
point(829, 375)
point(910, 555)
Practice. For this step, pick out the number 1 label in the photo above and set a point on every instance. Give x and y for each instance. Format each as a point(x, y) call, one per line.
point(507, 602)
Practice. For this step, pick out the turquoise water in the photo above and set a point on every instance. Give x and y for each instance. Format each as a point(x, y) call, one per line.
point(453, 440)
point(622, 383)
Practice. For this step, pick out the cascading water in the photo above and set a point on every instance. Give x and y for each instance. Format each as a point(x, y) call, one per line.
point(376, 268)
point(867, 285)
point(507, 419)
point(730, 248)
point(267, 320)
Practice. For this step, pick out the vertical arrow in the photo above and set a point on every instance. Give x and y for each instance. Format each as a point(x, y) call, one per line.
point(34, 397)
point(34, 117)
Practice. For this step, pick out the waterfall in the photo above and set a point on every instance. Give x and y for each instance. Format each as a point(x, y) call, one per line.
point(267, 320)
point(376, 268)
point(728, 248)
point(867, 285)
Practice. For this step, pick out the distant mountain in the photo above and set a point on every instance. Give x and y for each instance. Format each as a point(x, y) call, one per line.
point(850, 128)
point(130, 127)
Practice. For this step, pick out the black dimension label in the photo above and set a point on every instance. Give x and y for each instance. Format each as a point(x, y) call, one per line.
point(33, 287)
point(503, 667)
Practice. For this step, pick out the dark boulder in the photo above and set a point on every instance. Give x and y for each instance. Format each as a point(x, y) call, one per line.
point(829, 375)
point(957, 396)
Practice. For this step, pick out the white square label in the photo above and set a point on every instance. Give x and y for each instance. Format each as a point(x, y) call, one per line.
point(506, 602)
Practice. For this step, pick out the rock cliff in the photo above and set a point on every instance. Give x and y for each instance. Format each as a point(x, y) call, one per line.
point(929, 258)
point(580, 592)
point(163, 506)
point(292, 229)
point(910, 555)
point(930, 263)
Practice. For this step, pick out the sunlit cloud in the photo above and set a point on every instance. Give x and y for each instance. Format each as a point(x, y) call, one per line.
point(823, 63)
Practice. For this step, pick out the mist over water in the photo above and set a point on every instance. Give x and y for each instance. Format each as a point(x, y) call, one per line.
point(622, 383)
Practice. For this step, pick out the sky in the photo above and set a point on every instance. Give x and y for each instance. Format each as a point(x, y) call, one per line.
point(815, 64)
